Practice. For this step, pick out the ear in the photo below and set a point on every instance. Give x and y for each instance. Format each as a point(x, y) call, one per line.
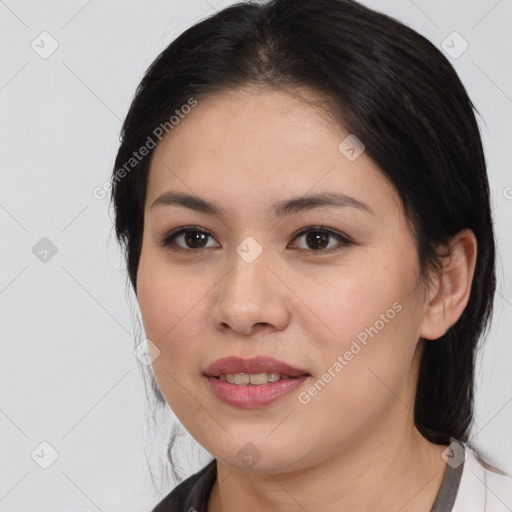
point(450, 292)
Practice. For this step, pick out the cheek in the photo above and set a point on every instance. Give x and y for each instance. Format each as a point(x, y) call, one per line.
point(164, 296)
point(355, 299)
point(173, 309)
point(167, 316)
point(366, 373)
point(373, 318)
point(161, 307)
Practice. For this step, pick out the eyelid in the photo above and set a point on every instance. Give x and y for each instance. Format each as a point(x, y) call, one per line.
point(166, 241)
point(343, 239)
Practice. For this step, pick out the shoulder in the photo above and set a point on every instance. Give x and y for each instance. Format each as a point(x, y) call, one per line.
point(192, 493)
point(481, 488)
point(499, 490)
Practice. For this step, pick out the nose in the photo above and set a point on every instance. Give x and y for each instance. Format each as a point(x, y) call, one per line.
point(250, 298)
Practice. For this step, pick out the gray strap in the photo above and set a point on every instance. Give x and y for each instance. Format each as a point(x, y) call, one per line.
point(448, 492)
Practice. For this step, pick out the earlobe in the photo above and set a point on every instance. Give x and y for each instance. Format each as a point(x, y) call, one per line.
point(452, 288)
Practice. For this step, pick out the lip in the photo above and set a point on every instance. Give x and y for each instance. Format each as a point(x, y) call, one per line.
point(249, 396)
point(252, 365)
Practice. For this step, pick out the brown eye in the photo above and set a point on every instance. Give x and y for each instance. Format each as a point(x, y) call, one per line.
point(187, 238)
point(195, 239)
point(317, 240)
point(322, 240)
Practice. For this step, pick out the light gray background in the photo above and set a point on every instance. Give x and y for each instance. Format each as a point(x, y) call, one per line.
point(68, 374)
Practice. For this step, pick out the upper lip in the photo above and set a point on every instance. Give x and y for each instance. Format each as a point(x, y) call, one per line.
point(252, 365)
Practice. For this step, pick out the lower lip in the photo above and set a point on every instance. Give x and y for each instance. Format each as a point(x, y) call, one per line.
point(249, 396)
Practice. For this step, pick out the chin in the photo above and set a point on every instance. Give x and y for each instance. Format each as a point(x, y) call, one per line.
point(262, 456)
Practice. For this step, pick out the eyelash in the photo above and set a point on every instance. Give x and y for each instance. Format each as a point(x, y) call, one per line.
point(168, 240)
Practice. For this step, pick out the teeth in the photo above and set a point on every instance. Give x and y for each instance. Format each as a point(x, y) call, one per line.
point(256, 379)
point(241, 378)
point(274, 376)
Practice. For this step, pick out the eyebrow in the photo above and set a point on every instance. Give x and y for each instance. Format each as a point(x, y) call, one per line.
point(279, 209)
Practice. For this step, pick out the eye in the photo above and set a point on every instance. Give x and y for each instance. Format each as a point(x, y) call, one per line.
point(193, 238)
point(317, 240)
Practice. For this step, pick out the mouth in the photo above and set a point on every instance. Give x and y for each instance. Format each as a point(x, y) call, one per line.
point(253, 379)
point(255, 382)
point(237, 370)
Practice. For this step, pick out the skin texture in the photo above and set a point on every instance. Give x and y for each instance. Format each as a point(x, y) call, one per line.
point(353, 446)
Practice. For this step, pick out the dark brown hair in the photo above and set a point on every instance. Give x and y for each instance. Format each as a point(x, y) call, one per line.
point(390, 87)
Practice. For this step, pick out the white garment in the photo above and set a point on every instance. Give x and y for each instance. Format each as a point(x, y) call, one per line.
point(481, 489)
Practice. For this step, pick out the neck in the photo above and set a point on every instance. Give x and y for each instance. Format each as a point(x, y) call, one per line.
point(388, 473)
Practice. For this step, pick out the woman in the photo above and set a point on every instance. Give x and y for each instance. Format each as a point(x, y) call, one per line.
point(302, 195)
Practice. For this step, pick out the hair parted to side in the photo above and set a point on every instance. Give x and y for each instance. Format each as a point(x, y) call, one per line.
point(390, 87)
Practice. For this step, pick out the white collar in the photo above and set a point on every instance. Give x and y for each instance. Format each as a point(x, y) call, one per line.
point(481, 489)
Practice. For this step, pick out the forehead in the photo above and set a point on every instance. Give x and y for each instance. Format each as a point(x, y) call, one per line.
point(255, 118)
point(253, 144)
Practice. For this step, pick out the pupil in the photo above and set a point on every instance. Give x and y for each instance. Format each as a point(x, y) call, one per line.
point(191, 239)
point(315, 237)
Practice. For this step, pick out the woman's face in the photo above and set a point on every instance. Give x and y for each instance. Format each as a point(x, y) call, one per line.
point(341, 304)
